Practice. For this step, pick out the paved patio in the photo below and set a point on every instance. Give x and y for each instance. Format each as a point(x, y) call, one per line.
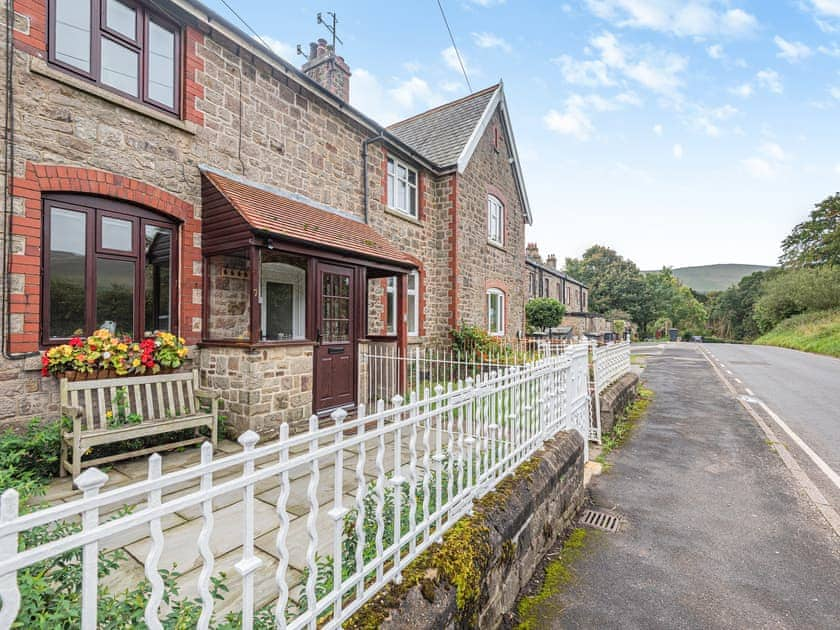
point(181, 529)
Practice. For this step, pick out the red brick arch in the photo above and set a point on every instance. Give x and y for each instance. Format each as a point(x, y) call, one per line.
point(46, 178)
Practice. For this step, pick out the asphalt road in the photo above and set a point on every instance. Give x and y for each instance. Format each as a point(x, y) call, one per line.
point(803, 390)
point(716, 532)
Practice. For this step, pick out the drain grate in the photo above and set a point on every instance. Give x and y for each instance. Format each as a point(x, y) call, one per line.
point(600, 520)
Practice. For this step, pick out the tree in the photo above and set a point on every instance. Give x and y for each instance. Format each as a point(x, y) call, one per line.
point(797, 291)
point(816, 241)
point(731, 311)
point(544, 313)
point(615, 283)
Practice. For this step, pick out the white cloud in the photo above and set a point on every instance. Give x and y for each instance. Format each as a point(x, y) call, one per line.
point(678, 151)
point(835, 93)
point(450, 58)
point(281, 49)
point(791, 51)
point(572, 122)
point(708, 120)
point(831, 51)
point(715, 51)
point(575, 119)
point(490, 40)
point(412, 66)
point(450, 86)
point(837, 168)
point(486, 3)
point(768, 162)
point(830, 8)
point(656, 69)
point(770, 80)
point(387, 105)
point(745, 90)
point(694, 18)
point(657, 129)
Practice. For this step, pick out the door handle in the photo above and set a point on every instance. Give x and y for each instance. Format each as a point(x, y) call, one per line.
point(335, 350)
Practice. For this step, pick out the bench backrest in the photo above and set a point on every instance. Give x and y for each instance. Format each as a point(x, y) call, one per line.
point(153, 397)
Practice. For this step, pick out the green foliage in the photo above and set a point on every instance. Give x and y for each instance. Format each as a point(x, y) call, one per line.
point(811, 332)
point(731, 311)
point(796, 291)
point(544, 312)
point(815, 241)
point(30, 457)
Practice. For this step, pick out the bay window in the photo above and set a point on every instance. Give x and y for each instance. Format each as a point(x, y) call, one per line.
point(402, 187)
point(118, 44)
point(412, 305)
point(106, 265)
point(495, 312)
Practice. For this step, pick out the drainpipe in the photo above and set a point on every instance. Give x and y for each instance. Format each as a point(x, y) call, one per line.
point(365, 193)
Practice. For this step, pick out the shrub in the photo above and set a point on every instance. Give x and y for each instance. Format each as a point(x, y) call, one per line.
point(542, 313)
point(797, 291)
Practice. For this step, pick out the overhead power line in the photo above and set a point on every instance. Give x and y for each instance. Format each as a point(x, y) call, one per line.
point(454, 45)
point(248, 26)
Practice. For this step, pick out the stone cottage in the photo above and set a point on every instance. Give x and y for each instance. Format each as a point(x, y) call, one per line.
point(170, 172)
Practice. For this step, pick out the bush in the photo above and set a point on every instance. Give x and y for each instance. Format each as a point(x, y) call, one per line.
point(797, 291)
point(542, 313)
point(29, 458)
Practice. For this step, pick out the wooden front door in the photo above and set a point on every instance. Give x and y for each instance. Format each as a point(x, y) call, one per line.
point(335, 354)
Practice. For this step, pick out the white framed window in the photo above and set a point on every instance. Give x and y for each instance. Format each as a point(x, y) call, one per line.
point(495, 220)
point(495, 312)
point(402, 187)
point(412, 305)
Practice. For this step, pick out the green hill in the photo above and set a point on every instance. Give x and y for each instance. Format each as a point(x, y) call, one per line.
point(714, 277)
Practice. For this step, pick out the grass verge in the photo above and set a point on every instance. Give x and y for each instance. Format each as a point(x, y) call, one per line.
point(817, 332)
point(558, 573)
point(624, 425)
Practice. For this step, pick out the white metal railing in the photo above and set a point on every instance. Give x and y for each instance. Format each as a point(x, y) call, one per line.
point(433, 455)
point(385, 372)
point(609, 363)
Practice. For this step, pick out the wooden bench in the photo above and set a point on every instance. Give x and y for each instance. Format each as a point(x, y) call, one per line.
point(162, 402)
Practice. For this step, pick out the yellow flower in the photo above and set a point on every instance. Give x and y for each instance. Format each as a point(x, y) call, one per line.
point(109, 414)
point(136, 362)
point(136, 347)
point(181, 340)
point(122, 347)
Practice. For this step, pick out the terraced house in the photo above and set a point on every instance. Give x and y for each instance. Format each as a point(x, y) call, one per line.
point(169, 172)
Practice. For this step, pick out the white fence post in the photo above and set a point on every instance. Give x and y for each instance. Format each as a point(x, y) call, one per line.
point(249, 562)
point(89, 482)
point(9, 592)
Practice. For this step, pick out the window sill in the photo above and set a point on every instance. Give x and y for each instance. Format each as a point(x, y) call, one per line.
point(402, 215)
point(41, 67)
point(496, 245)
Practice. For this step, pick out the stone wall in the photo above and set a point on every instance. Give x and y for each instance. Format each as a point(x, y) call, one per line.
point(491, 554)
point(482, 265)
point(229, 314)
point(260, 389)
point(615, 399)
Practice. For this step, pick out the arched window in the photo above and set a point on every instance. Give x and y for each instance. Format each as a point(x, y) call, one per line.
point(106, 264)
point(495, 312)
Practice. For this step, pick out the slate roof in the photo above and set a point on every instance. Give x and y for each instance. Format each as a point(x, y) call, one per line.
point(440, 134)
point(293, 217)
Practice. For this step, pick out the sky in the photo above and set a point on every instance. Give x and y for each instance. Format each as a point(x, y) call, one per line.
point(676, 132)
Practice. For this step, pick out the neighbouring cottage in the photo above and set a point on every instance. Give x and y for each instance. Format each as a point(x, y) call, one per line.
point(546, 280)
point(170, 172)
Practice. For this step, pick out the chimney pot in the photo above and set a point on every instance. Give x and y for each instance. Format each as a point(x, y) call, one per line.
point(327, 69)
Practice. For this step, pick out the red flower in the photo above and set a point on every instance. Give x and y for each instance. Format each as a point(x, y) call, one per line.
point(44, 371)
point(76, 342)
point(45, 360)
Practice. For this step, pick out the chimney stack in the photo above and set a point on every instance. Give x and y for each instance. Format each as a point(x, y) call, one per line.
point(533, 252)
point(551, 261)
point(328, 69)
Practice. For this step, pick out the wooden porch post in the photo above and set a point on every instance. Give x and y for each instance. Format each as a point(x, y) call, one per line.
point(254, 277)
point(402, 329)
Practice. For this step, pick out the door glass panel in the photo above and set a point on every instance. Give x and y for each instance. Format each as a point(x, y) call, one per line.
point(115, 295)
point(67, 272)
point(72, 33)
point(158, 248)
point(335, 308)
point(279, 317)
point(116, 234)
point(161, 65)
point(122, 19)
point(120, 67)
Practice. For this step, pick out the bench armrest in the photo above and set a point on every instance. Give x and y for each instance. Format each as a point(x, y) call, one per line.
point(71, 412)
point(206, 393)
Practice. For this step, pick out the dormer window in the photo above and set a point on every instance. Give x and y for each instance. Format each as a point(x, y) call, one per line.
point(120, 45)
point(402, 187)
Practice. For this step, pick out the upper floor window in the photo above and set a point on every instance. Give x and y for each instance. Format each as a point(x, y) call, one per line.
point(402, 187)
point(106, 265)
point(545, 287)
point(532, 285)
point(495, 220)
point(118, 44)
point(495, 312)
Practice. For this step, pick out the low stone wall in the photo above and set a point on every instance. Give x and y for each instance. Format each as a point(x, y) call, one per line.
point(260, 389)
point(474, 576)
point(25, 394)
point(616, 398)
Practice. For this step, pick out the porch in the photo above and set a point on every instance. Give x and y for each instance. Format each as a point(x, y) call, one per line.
point(287, 294)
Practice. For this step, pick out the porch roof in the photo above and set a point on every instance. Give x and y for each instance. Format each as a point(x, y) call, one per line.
point(296, 218)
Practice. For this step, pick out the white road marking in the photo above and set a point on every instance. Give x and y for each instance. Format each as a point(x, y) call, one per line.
point(729, 372)
point(749, 391)
point(738, 380)
point(833, 476)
